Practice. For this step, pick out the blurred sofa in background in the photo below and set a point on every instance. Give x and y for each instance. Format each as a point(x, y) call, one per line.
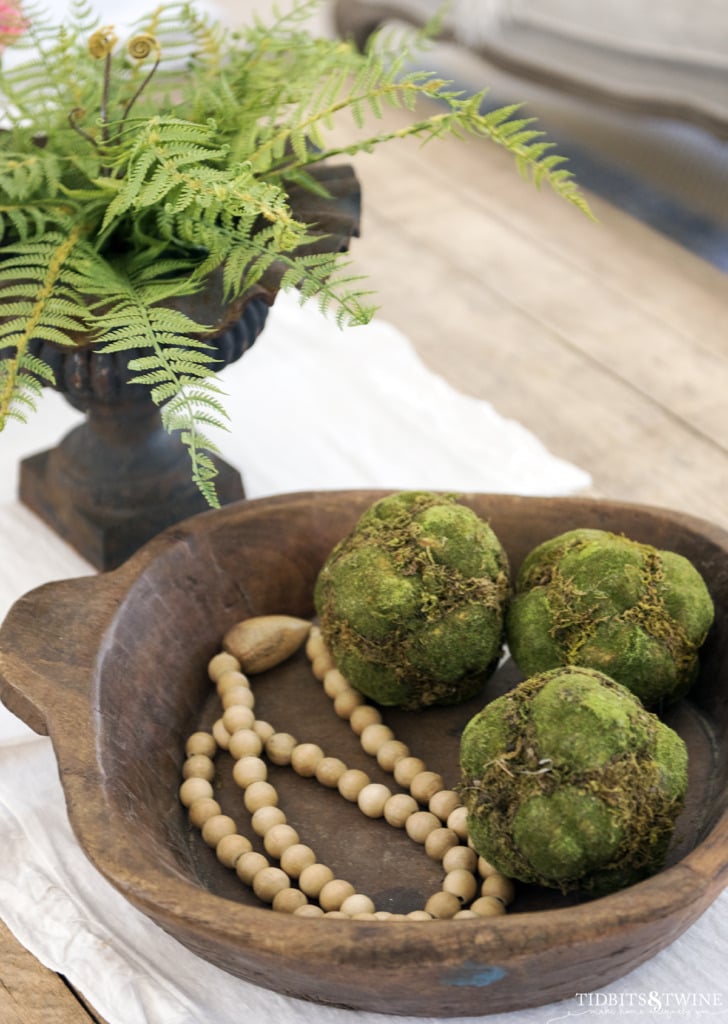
point(634, 91)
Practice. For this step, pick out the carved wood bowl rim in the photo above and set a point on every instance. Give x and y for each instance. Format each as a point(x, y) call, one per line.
point(261, 556)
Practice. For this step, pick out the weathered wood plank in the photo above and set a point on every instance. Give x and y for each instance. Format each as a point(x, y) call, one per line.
point(32, 994)
point(607, 340)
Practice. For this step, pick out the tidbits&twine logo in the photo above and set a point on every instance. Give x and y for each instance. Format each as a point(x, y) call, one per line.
point(684, 1006)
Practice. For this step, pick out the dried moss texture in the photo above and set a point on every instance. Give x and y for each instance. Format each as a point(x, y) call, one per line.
point(412, 601)
point(571, 783)
point(588, 597)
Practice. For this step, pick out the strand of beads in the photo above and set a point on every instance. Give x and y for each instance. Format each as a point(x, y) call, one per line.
point(239, 732)
point(245, 737)
point(441, 829)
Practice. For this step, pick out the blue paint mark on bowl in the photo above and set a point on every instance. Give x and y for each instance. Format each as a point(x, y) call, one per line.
point(474, 975)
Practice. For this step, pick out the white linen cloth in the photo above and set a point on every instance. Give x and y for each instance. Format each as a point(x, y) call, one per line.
point(312, 408)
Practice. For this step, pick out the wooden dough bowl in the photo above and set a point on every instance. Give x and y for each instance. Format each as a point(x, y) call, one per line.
point(113, 668)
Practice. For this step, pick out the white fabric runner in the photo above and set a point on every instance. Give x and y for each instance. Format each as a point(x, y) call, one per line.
point(312, 408)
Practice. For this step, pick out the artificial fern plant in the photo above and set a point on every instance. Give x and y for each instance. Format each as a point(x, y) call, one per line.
point(132, 170)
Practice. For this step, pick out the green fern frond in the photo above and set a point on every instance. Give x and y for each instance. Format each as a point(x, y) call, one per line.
point(178, 368)
point(127, 182)
point(27, 389)
point(51, 258)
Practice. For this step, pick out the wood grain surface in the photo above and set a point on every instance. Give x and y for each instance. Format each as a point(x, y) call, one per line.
point(605, 339)
point(32, 994)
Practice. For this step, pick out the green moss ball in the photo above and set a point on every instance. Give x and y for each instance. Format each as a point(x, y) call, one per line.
point(571, 783)
point(412, 601)
point(588, 597)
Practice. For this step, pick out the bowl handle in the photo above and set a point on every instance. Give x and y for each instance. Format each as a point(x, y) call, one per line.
point(48, 643)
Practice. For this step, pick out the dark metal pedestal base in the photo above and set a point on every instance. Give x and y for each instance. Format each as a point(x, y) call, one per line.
point(107, 530)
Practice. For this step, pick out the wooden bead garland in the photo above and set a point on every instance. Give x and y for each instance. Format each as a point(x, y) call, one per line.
point(431, 815)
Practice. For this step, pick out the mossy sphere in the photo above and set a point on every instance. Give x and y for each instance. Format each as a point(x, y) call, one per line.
point(588, 597)
point(412, 601)
point(571, 783)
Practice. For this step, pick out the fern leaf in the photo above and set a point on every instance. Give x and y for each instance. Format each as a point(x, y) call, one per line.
point(52, 255)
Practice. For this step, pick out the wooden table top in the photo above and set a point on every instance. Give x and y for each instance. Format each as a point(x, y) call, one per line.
point(31, 994)
point(606, 340)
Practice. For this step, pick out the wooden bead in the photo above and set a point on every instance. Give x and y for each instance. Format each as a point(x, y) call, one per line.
point(231, 848)
point(296, 858)
point(268, 882)
point(199, 766)
point(279, 838)
point(457, 820)
point(372, 798)
point(260, 794)
point(315, 643)
point(313, 878)
point(357, 903)
point(336, 913)
point(222, 662)
point(500, 887)
point(237, 717)
point(439, 841)
point(334, 683)
point(443, 803)
point(238, 696)
point(461, 883)
point(443, 905)
point(364, 716)
point(217, 826)
point(249, 865)
point(322, 664)
point(418, 915)
point(279, 747)
point(235, 723)
point(231, 680)
point(364, 916)
point(406, 769)
point(288, 901)
point(398, 809)
point(310, 910)
point(264, 729)
point(333, 894)
point(485, 868)
point(351, 783)
point(220, 734)
point(329, 770)
point(382, 915)
point(419, 825)
point(304, 759)
point(488, 906)
point(201, 743)
point(460, 857)
point(374, 736)
point(424, 786)
point(245, 743)
point(390, 753)
point(195, 789)
point(248, 770)
point(463, 914)
point(345, 702)
point(266, 818)
point(203, 809)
